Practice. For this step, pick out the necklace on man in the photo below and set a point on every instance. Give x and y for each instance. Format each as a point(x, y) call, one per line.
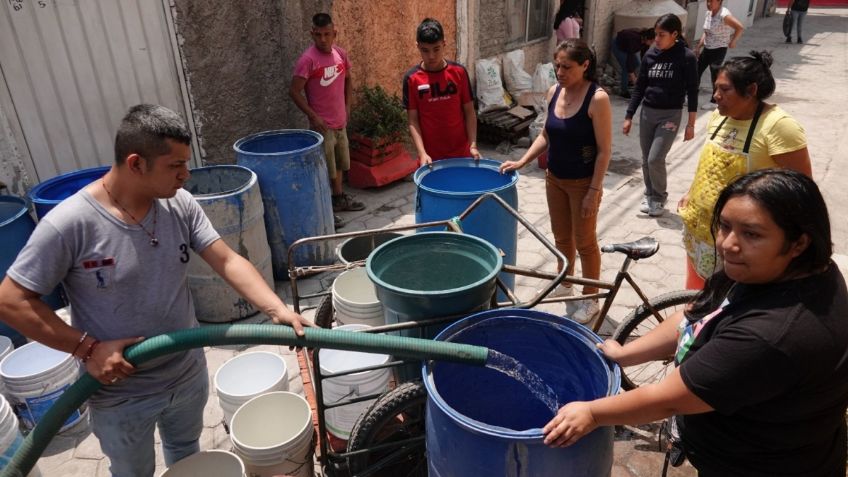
point(153, 240)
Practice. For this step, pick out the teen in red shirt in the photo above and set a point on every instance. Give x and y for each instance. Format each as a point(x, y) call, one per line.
point(437, 97)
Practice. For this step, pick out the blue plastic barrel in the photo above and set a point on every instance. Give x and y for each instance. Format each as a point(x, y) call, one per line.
point(15, 228)
point(296, 193)
point(481, 422)
point(49, 193)
point(447, 189)
point(230, 197)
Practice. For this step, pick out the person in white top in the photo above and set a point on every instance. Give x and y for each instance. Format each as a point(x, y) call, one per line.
point(721, 31)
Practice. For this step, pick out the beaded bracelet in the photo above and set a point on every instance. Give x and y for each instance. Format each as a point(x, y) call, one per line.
point(84, 336)
point(90, 351)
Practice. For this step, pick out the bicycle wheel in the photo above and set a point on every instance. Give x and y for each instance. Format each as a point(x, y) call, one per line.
point(395, 416)
point(638, 323)
point(324, 312)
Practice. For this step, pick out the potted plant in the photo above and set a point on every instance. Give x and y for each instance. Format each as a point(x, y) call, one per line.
point(377, 126)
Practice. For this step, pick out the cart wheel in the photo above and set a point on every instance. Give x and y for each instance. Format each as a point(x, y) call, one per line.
point(396, 415)
point(324, 312)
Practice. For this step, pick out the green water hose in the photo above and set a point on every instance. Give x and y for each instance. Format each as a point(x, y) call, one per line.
point(216, 335)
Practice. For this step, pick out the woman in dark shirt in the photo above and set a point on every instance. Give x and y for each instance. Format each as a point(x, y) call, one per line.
point(667, 75)
point(762, 383)
point(578, 137)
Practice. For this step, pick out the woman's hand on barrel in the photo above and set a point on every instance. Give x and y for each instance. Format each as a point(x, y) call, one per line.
point(424, 160)
point(511, 166)
point(612, 349)
point(106, 362)
point(573, 421)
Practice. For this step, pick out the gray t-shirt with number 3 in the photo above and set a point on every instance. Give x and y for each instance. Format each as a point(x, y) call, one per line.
point(118, 284)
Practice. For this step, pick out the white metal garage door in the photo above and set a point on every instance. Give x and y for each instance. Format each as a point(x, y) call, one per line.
point(73, 67)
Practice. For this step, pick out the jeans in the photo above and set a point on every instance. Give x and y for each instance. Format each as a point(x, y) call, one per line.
point(797, 21)
point(712, 58)
point(125, 431)
point(621, 58)
point(572, 233)
point(657, 130)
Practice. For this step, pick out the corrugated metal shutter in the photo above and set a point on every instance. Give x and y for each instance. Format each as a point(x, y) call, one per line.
point(73, 68)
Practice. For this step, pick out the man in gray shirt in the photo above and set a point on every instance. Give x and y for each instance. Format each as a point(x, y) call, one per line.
point(120, 247)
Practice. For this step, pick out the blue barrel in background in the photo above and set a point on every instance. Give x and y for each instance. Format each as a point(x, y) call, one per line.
point(447, 189)
point(230, 197)
point(15, 228)
point(432, 274)
point(49, 193)
point(481, 422)
point(296, 193)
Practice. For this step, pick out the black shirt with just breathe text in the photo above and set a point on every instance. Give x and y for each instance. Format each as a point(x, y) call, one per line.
point(666, 78)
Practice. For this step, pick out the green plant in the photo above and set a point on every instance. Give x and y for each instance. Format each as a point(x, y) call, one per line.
point(378, 116)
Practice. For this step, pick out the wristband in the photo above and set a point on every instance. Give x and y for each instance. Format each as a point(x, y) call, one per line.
point(90, 351)
point(594, 188)
point(690, 126)
point(84, 336)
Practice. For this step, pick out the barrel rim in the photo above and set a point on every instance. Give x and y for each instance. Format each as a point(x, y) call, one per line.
point(454, 162)
point(198, 455)
point(529, 435)
point(217, 195)
point(277, 132)
point(446, 292)
point(18, 200)
point(53, 181)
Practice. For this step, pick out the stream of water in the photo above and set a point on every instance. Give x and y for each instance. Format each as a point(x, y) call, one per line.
point(510, 367)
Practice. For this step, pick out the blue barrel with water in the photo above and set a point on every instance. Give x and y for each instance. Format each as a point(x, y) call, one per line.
point(481, 422)
point(430, 275)
point(49, 193)
point(15, 228)
point(447, 189)
point(296, 193)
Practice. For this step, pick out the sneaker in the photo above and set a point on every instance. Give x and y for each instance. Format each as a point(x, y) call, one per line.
point(799, 41)
point(709, 106)
point(346, 203)
point(656, 209)
point(586, 312)
point(562, 291)
point(788, 40)
point(645, 205)
point(338, 222)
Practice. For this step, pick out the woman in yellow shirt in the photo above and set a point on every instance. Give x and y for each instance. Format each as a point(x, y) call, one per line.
point(744, 134)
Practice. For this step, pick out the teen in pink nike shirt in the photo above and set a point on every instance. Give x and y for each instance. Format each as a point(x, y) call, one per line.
point(321, 88)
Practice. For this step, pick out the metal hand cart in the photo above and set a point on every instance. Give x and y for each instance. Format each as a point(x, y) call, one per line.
point(388, 438)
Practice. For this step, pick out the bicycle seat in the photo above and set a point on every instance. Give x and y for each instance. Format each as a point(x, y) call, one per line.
point(642, 248)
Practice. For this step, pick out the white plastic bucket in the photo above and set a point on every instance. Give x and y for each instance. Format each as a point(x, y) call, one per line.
point(273, 433)
point(340, 420)
point(249, 375)
point(216, 463)
point(355, 299)
point(35, 377)
point(10, 436)
point(6, 347)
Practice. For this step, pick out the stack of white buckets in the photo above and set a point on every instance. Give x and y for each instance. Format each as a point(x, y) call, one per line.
point(34, 377)
point(270, 428)
point(356, 309)
point(355, 299)
point(10, 433)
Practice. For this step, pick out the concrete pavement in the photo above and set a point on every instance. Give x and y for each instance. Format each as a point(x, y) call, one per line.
point(811, 81)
